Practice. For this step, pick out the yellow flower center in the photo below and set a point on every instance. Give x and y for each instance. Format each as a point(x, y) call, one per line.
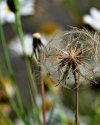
point(7, 10)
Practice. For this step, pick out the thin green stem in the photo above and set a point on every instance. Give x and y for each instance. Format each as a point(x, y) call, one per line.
point(21, 36)
point(9, 67)
point(34, 111)
point(13, 103)
point(10, 70)
point(6, 55)
point(19, 112)
point(27, 64)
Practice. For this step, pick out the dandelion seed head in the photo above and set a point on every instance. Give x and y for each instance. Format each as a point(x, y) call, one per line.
point(70, 52)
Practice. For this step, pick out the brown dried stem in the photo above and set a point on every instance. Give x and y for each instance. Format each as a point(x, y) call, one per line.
point(77, 95)
point(42, 89)
point(77, 106)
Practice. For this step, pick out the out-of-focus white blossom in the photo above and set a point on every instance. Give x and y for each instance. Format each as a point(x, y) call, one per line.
point(15, 45)
point(93, 19)
point(27, 8)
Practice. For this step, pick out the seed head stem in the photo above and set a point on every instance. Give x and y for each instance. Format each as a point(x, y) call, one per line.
point(76, 106)
point(77, 94)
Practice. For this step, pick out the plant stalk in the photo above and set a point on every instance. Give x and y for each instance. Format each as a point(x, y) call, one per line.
point(10, 70)
point(21, 36)
point(27, 64)
point(6, 55)
point(77, 106)
point(42, 89)
point(77, 94)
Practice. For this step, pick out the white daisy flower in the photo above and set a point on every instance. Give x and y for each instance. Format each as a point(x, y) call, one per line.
point(27, 8)
point(6, 15)
point(93, 19)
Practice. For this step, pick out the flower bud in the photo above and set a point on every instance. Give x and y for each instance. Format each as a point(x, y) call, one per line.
point(37, 44)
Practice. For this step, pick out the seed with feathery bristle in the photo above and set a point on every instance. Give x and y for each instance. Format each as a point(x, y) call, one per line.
point(76, 51)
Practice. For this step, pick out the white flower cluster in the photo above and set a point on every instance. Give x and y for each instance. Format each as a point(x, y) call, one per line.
point(93, 19)
point(27, 8)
